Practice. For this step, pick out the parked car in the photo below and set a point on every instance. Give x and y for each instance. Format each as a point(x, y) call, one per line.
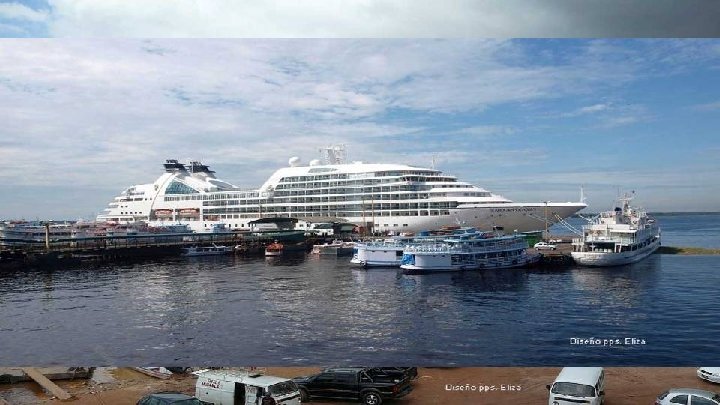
point(369, 385)
point(397, 373)
point(711, 374)
point(544, 246)
point(584, 385)
point(688, 396)
point(169, 398)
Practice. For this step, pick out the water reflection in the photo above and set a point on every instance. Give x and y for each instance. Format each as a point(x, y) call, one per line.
point(622, 285)
point(286, 259)
point(311, 310)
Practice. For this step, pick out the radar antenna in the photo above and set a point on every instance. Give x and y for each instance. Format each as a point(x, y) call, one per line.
point(333, 154)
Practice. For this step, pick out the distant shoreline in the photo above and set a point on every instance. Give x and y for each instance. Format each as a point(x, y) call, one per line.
point(670, 250)
point(661, 213)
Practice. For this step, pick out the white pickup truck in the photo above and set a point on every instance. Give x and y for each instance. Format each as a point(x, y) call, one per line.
point(544, 246)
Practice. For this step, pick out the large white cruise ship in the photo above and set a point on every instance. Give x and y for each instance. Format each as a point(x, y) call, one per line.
point(380, 197)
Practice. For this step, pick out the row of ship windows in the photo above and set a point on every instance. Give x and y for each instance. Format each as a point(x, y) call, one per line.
point(202, 197)
point(220, 202)
point(351, 175)
point(348, 188)
point(133, 199)
point(340, 191)
point(340, 207)
point(460, 259)
point(326, 199)
point(363, 182)
point(247, 225)
point(342, 214)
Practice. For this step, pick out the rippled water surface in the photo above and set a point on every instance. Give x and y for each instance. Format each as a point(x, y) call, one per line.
point(308, 310)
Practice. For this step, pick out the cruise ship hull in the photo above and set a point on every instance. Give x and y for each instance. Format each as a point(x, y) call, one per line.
point(509, 216)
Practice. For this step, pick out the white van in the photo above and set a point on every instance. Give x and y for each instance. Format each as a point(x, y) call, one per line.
point(232, 387)
point(578, 385)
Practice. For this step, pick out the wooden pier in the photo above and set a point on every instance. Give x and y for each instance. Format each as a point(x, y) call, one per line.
point(98, 249)
point(44, 382)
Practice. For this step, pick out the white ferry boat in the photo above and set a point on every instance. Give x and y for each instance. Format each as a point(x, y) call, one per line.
point(469, 252)
point(385, 253)
point(622, 236)
point(378, 197)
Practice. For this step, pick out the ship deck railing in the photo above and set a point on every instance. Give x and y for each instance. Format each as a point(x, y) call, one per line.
point(448, 248)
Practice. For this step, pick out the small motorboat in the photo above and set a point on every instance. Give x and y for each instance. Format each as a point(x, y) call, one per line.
point(206, 250)
point(274, 249)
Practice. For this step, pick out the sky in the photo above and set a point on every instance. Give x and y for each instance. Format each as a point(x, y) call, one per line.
point(533, 120)
point(359, 18)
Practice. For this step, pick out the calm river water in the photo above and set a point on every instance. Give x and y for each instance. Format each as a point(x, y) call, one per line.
point(307, 310)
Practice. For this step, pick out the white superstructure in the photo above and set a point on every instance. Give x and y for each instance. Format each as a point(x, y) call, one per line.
point(380, 197)
point(471, 251)
point(622, 236)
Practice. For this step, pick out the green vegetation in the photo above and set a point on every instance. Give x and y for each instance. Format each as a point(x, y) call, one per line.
point(669, 250)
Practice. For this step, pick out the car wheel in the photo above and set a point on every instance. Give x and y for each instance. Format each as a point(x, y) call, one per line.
point(304, 397)
point(372, 398)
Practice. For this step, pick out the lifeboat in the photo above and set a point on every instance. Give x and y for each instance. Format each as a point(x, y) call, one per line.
point(274, 249)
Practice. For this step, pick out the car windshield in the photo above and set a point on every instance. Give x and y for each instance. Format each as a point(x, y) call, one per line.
point(573, 390)
point(283, 388)
point(193, 401)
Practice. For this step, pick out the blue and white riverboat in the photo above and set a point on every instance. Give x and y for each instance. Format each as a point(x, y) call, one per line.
point(389, 252)
point(469, 252)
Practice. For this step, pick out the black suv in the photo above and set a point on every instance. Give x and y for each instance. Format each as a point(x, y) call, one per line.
point(369, 385)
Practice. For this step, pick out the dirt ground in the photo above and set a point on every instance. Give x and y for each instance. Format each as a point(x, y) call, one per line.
point(482, 385)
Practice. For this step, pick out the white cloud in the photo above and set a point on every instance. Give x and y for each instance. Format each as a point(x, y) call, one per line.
point(17, 11)
point(383, 18)
point(715, 106)
point(108, 112)
point(593, 108)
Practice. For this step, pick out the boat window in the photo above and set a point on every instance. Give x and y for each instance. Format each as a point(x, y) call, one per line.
point(179, 188)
